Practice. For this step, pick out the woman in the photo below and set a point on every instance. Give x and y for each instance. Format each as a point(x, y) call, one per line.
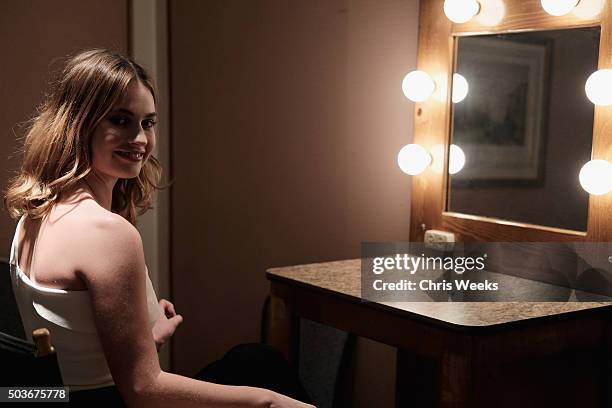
point(77, 260)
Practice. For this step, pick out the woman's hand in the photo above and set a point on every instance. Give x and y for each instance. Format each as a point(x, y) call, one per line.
point(166, 324)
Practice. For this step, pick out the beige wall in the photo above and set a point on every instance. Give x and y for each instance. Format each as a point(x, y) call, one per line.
point(286, 120)
point(34, 36)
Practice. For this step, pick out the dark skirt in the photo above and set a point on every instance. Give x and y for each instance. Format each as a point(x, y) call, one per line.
point(255, 365)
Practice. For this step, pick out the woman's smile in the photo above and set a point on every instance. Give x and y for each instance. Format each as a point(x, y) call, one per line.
point(133, 156)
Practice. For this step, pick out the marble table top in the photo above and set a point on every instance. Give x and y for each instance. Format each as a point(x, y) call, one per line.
point(344, 278)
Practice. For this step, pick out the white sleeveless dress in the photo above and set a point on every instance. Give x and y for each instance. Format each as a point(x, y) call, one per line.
point(69, 317)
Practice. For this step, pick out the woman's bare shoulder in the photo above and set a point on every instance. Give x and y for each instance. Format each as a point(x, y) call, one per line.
point(104, 242)
point(89, 221)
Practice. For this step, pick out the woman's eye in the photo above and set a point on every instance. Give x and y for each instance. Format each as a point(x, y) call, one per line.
point(118, 120)
point(148, 124)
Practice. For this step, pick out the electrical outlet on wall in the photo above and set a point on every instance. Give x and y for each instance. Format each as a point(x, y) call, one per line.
point(439, 240)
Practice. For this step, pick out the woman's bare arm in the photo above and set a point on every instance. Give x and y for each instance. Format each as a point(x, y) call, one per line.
point(116, 281)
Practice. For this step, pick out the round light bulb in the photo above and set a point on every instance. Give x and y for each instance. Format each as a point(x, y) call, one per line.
point(418, 86)
point(460, 88)
point(588, 9)
point(461, 11)
point(558, 7)
point(597, 87)
point(596, 177)
point(492, 12)
point(413, 159)
point(456, 160)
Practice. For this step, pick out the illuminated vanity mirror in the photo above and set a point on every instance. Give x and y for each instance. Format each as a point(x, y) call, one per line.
point(525, 126)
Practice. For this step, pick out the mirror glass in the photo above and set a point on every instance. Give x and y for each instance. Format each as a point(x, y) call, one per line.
point(525, 126)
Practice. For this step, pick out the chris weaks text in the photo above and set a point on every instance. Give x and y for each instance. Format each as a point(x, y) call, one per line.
point(429, 285)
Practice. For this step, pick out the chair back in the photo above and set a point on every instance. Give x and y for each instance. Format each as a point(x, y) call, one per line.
point(29, 365)
point(10, 321)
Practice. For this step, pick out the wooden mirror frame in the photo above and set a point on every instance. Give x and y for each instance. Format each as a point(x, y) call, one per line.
point(433, 119)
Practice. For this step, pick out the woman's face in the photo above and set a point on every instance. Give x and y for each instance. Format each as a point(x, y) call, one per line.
point(125, 137)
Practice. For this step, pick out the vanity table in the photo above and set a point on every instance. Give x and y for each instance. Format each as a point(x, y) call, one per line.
point(478, 354)
point(526, 70)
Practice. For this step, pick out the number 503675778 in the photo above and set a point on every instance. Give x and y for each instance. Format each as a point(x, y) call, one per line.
point(36, 393)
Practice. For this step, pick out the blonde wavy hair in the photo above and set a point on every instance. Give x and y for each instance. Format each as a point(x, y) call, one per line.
point(56, 152)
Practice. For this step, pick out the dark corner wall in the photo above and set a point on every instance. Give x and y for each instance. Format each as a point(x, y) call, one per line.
point(35, 35)
point(287, 117)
